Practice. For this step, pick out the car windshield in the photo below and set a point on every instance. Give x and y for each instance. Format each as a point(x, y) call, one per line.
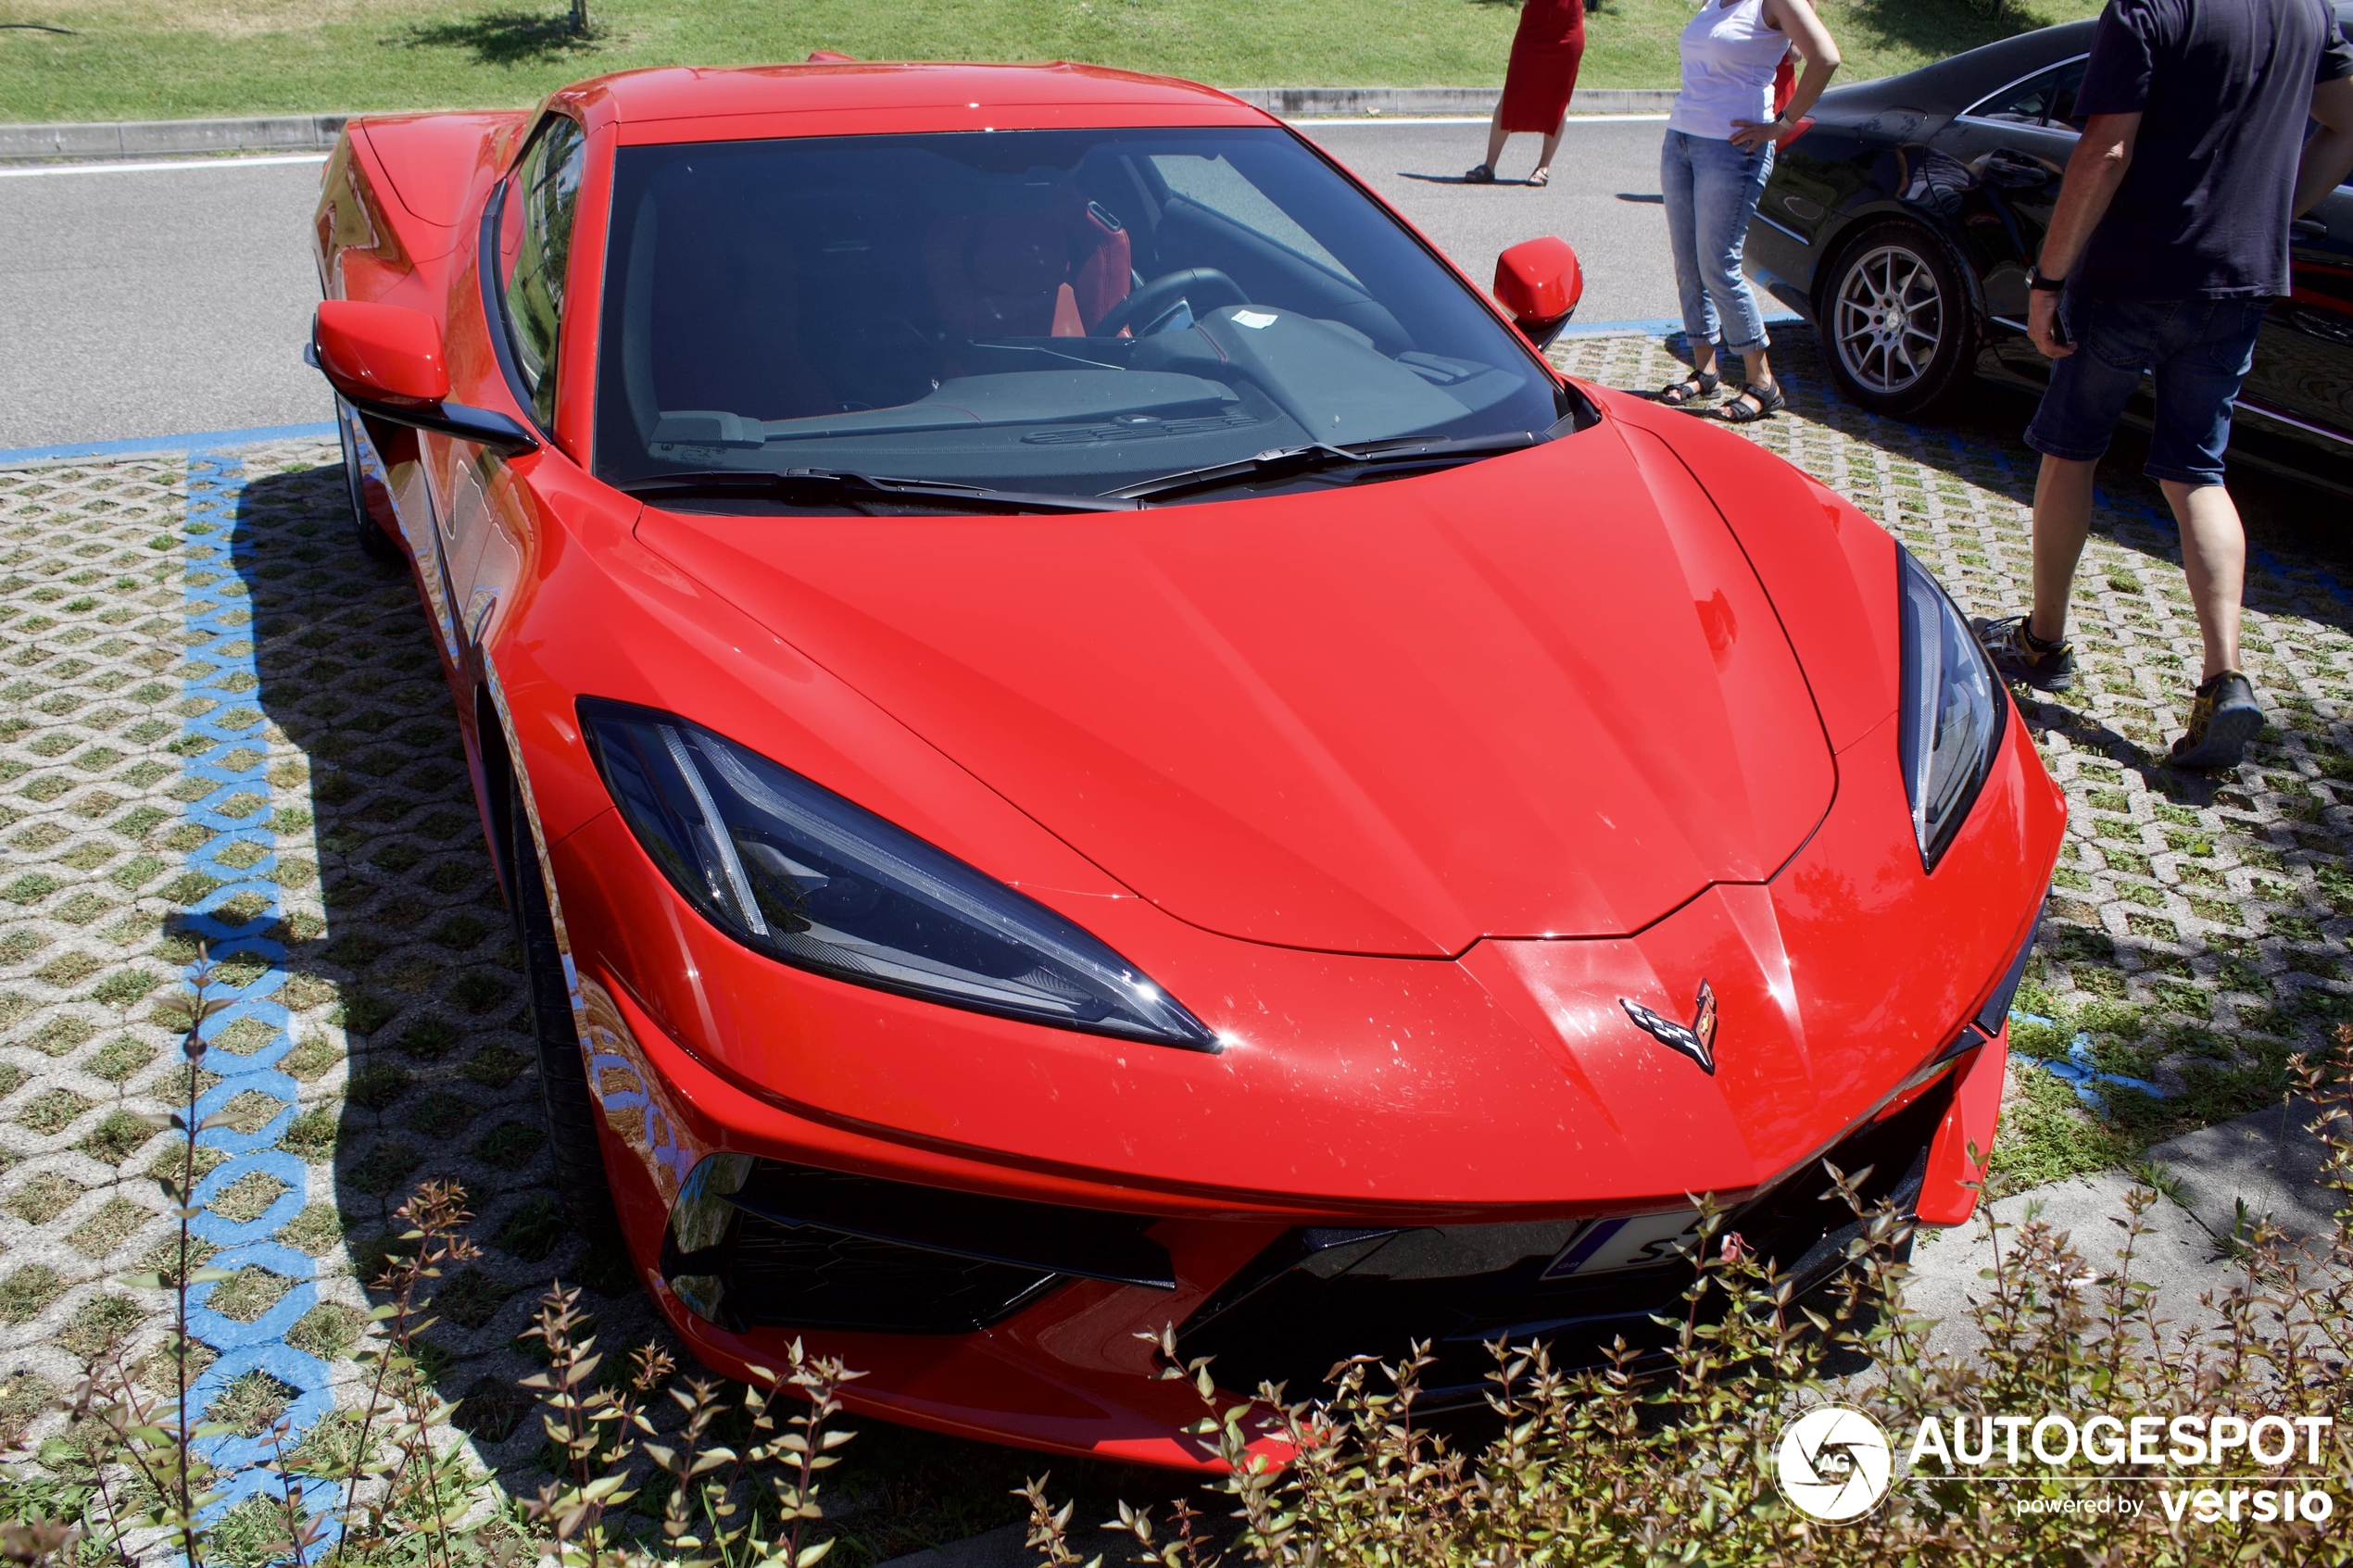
point(1047, 312)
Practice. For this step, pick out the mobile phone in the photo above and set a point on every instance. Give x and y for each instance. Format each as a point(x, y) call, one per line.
point(2058, 330)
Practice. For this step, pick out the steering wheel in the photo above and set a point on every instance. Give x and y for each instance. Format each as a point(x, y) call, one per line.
point(1205, 287)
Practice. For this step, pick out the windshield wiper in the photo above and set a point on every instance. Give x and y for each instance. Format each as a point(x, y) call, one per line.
point(840, 488)
point(1293, 462)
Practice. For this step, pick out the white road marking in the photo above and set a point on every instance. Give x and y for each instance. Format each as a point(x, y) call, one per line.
point(154, 168)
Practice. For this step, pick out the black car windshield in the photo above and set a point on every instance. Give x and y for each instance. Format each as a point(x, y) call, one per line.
point(1045, 312)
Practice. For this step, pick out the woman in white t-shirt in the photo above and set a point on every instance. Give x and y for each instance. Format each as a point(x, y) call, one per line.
point(1717, 154)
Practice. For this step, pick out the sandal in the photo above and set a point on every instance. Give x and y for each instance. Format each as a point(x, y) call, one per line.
point(1541, 179)
point(1765, 403)
point(1690, 389)
point(1483, 175)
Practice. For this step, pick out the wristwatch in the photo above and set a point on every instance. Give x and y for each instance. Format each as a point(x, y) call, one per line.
point(2041, 285)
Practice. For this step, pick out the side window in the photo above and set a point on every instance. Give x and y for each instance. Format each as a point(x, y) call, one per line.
point(1218, 186)
point(535, 248)
point(2032, 99)
point(2070, 81)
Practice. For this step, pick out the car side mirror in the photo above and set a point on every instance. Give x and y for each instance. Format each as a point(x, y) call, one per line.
point(1539, 282)
point(385, 360)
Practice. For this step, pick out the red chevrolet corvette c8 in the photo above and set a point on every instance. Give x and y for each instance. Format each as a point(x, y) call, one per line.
point(1083, 737)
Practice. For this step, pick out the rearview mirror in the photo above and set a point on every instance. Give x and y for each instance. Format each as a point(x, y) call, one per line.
point(1540, 282)
point(385, 362)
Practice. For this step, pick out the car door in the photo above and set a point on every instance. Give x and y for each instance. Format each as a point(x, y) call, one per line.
point(2014, 144)
point(486, 516)
point(2303, 373)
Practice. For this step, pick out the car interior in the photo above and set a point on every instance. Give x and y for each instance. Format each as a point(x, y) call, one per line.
point(1064, 309)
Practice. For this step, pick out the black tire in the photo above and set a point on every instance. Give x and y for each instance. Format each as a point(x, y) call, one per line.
point(1899, 332)
point(563, 1073)
point(372, 539)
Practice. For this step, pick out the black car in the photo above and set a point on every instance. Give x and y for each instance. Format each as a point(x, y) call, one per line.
point(1903, 216)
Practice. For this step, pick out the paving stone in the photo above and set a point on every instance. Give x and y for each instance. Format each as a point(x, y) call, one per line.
point(171, 751)
point(2267, 1164)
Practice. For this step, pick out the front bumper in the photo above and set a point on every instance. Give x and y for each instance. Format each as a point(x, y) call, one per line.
point(1503, 1089)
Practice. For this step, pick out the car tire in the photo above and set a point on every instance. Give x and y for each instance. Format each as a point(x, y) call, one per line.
point(569, 1105)
point(373, 539)
point(1899, 330)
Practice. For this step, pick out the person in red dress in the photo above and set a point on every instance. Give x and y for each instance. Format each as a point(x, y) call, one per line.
point(1537, 85)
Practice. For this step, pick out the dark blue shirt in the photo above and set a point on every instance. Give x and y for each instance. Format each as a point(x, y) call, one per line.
point(2223, 88)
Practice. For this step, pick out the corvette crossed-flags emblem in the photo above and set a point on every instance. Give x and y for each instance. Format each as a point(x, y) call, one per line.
point(1697, 1041)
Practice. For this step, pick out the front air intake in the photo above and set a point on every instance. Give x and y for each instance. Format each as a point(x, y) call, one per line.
point(761, 1243)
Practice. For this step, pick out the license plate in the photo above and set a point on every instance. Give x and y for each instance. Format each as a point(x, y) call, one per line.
point(1639, 1242)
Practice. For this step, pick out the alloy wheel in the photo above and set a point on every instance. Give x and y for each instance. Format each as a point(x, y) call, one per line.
point(1889, 319)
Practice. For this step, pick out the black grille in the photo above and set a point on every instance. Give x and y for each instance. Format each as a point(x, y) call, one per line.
point(795, 1246)
point(1317, 1297)
point(807, 1277)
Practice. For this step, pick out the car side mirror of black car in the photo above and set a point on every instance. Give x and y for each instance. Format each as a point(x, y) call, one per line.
point(1539, 282)
point(385, 360)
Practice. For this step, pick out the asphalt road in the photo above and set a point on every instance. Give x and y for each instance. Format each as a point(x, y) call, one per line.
point(157, 303)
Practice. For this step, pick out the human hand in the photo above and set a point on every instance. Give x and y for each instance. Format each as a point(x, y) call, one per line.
point(2043, 326)
point(1748, 135)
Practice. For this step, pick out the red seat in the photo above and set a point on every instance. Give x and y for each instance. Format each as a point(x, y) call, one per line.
point(1054, 271)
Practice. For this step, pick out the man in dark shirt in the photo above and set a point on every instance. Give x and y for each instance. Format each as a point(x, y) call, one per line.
point(2169, 241)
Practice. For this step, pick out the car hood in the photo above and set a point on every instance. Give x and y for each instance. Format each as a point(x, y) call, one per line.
point(1539, 695)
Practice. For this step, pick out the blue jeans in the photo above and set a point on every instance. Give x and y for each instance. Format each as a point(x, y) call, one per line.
point(1711, 189)
point(2199, 351)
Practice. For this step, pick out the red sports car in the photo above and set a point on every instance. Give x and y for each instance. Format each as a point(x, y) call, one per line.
point(1084, 737)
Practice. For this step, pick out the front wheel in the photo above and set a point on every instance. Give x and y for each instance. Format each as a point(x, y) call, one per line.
point(372, 539)
point(1897, 320)
point(563, 1073)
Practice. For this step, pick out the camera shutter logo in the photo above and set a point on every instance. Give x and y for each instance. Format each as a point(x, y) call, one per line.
point(1834, 1463)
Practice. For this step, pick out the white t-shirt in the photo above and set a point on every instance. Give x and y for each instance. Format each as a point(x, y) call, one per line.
point(1730, 56)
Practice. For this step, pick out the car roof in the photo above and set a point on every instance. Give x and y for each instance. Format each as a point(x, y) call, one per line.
point(690, 102)
point(1952, 84)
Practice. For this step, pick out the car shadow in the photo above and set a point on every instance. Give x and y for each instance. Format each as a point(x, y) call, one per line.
point(412, 1043)
point(402, 989)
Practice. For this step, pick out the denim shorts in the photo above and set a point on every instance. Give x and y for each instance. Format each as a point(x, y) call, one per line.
point(2198, 349)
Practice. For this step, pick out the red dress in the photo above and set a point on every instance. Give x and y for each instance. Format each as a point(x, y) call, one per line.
point(1545, 50)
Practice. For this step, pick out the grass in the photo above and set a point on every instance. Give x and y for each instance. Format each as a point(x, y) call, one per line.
point(157, 60)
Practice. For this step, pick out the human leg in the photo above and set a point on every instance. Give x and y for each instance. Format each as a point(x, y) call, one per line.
point(1725, 183)
point(1484, 173)
point(1727, 180)
point(2214, 558)
point(2197, 384)
point(2062, 522)
point(1676, 185)
point(1543, 175)
point(2071, 428)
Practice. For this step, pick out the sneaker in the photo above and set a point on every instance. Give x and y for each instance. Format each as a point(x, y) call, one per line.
point(2020, 655)
point(2223, 718)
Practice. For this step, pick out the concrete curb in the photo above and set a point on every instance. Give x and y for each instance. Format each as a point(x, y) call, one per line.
point(151, 138)
point(316, 132)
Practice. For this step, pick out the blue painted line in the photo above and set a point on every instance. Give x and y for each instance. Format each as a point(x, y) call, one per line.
point(2079, 1068)
point(222, 670)
point(140, 445)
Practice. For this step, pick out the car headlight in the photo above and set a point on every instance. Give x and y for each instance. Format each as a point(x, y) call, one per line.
point(794, 872)
point(1953, 713)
